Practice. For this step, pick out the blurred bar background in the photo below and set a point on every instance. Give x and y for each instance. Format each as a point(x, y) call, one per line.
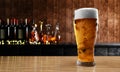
point(61, 11)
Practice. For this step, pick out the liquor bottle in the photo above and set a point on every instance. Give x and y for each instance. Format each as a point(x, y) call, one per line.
point(48, 34)
point(11, 30)
point(2, 30)
point(41, 32)
point(27, 28)
point(20, 30)
point(15, 23)
point(57, 36)
point(8, 28)
point(34, 37)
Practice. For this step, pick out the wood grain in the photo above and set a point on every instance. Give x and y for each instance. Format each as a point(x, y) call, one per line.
point(111, 20)
point(7, 9)
point(116, 20)
point(56, 64)
point(69, 20)
point(2, 9)
point(119, 20)
point(52, 11)
point(62, 19)
point(36, 10)
point(103, 17)
point(97, 5)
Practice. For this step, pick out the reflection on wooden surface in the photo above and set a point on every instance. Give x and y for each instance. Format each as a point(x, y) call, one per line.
point(56, 64)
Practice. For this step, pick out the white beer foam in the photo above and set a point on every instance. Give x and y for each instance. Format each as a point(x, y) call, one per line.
point(85, 13)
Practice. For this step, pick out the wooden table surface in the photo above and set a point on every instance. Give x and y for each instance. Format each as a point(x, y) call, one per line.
point(56, 64)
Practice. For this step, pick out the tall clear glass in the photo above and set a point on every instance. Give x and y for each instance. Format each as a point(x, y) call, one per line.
point(85, 28)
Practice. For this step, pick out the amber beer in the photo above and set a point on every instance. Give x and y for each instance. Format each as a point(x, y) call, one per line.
point(85, 28)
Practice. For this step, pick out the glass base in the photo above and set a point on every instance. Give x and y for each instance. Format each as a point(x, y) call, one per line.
point(87, 64)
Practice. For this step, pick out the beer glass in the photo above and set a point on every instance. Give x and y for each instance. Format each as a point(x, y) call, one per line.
point(85, 28)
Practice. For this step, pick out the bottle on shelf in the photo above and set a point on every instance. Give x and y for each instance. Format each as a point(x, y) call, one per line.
point(48, 35)
point(57, 36)
point(27, 28)
point(8, 28)
point(15, 24)
point(41, 32)
point(34, 37)
point(20, 30)
point(2, 32)
point(11, 30)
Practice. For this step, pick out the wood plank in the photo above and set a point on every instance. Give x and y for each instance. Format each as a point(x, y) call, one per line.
point(69, 21)
point(7, 8)
point(62, 19)
point(82, 3)
point(116, 21)
point(55, 12)
point(2, 8)
point(76, 4)
point(50, 11)
point(42, 9)
point(20, 8)
point(14, 5)
point(119, 19)
point(89, 3)
point(103, 19)
point(111, 21)
point(86, 3)
point(96, 5)
point(56, 64)
point(35, 10)
point(28, 8)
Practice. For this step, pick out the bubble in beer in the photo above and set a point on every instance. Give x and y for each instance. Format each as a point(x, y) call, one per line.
point(85, 13)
